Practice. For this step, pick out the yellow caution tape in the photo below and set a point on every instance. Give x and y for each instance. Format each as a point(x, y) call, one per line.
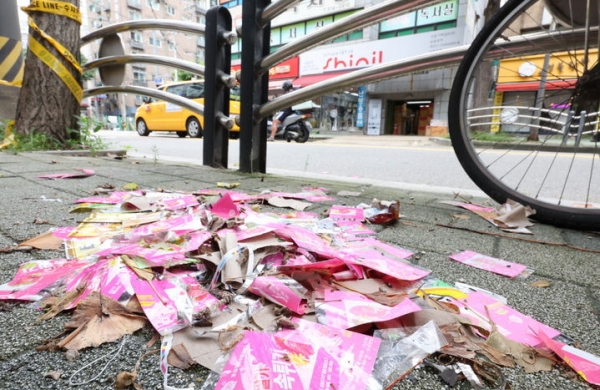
point(55, 7)
point(68, 10)
point(9, 137)
point(57, 67)
point(60, 48)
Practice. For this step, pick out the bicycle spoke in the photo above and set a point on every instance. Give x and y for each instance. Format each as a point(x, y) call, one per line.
point(523, 112)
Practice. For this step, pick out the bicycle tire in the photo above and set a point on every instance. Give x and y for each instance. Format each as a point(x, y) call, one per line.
point(514, 177)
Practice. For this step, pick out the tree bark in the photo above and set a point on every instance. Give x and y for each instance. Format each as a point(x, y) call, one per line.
point(46, 105)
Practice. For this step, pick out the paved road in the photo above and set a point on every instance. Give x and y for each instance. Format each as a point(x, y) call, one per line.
point(414, 163)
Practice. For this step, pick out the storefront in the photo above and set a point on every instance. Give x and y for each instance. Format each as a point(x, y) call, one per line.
point(520, 82)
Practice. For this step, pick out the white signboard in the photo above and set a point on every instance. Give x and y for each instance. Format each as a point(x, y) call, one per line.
point(352, 55)
point(374, 117)
point(308, 9)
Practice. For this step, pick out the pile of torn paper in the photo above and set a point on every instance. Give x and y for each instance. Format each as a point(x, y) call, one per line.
point(278, 300)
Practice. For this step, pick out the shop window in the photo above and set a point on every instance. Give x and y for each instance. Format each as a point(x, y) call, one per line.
point(425, 29)
point(444, 26)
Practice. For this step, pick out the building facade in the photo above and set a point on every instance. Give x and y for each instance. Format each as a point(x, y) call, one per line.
point(403, 105)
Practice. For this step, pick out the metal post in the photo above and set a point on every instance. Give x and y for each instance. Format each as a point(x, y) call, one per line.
point(216, 93)
point(11, 59)
point(254, 87)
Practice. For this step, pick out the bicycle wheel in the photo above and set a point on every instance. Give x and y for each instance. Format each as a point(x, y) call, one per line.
point(523, 111)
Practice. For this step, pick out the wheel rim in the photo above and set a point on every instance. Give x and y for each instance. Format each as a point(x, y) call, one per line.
point(561, 180)
point(141, 127)
point(193, 128)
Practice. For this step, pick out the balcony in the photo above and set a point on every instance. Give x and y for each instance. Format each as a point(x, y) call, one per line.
point(136, 4)
point(200, 10)
point(140, 83)
point(200, 42)
point(136, 45)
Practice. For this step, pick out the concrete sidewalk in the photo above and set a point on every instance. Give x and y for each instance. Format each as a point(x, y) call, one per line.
point(569, 260)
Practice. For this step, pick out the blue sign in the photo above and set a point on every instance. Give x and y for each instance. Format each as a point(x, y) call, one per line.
point(158, 80)
point(360, 109)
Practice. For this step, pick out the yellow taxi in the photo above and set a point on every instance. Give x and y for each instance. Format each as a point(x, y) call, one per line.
point(159, 115)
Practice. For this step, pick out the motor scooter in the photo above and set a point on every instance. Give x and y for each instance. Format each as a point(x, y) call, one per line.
point(295, 127)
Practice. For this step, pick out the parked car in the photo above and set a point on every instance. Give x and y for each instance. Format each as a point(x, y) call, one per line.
point(159, 115)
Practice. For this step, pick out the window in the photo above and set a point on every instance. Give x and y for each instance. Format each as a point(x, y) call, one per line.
point(154, 4)
point(154, 42)
point(135, 36)
point(139, 77)
point(135, 15)
point(170, 10)
point(194, 91)
point(178, 90)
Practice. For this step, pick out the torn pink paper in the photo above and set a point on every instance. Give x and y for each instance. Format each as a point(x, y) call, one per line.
point(347, 309)
point(63, 232)
point(166, 305)
point(195, 240)
point(511, 323)
point(329, 266)
point(373, 243)
point(265, 361)
point(356, 229)
point(81, 173)
point(355, 353)
point(488, 263)
point(255, 231)
point(584, 363)
point(181, 225)
point(180, 202)
point(282, 290)
point(307, 240)
point(234, 195)
point(148, 256)
point(201, 298)
point(225, 208)
point(376, 261)
point(35, 276)
point(111, 277)
point(346, 213)
point(114, 198)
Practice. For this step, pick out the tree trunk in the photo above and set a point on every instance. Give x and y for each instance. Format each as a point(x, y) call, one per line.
point(46, 105)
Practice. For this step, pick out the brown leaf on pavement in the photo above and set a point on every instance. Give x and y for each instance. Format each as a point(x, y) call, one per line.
point(99, 320)
point(540, 283)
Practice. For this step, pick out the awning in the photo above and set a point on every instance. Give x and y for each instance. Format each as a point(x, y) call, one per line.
point(535, 85)
point(305, 81)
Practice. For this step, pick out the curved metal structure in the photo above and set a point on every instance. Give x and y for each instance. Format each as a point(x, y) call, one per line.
point(348, 24)
point(155, 93)
point(160, 24)
point(441, 59)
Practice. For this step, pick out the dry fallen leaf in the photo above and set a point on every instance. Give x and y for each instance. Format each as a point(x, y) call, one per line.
point(125, 379)
point(53, 374)
point(540, 283)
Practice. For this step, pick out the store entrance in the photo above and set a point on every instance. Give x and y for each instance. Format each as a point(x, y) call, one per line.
point(408, 117)
point(420, 113)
